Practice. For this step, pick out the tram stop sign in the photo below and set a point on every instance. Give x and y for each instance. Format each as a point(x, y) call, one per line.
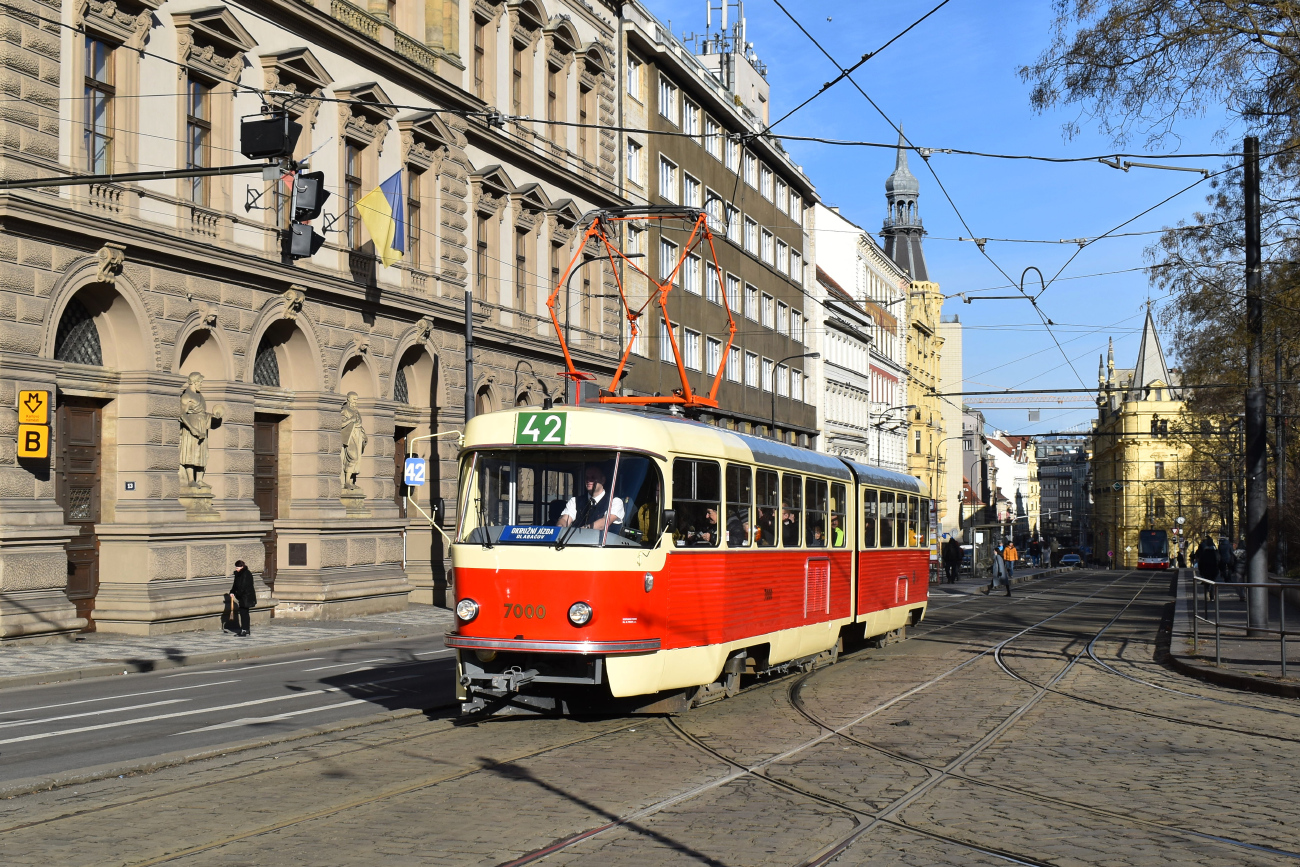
point(415, 472)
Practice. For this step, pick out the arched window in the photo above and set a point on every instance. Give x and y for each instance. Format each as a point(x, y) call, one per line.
point(483, 401)
point(266, 368)
point(77, 338)
point(401, 391)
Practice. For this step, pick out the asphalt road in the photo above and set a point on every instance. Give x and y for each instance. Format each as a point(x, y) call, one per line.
point(46, 730)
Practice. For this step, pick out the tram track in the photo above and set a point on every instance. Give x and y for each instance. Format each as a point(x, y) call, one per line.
point(951, 773)
point(1138, 711)
point(864, 819)
point(740, 770)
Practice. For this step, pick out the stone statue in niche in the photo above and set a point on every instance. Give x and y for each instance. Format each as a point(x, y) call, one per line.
point(354, 442)
point(196, 424)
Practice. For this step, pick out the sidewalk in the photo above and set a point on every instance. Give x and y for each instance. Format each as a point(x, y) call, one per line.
point(1244, 663)
point(102, 654)
point(967, 586)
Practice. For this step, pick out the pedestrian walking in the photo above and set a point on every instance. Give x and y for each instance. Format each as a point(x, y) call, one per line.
point(1010, 555)
point(243, 596)
point(1000, 573)
point(1227, 565)
point(1239, 567)
point(1035, 551)
point(1207, 562)
point(952, 555)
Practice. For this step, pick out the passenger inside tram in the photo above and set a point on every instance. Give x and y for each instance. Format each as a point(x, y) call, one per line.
point(766, 535)
point(592, 509)
point(789, 526)
point(737, 526)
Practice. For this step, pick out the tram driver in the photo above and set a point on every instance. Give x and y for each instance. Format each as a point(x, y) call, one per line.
point(592, 509)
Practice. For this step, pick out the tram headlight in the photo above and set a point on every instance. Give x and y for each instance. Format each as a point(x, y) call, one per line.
point(467, 610)
point(579, 613)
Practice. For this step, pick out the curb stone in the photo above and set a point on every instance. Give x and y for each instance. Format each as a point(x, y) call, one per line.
point(1184, 664)
point(110, 669)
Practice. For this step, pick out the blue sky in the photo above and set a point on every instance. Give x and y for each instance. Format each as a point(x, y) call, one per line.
point(952, 82)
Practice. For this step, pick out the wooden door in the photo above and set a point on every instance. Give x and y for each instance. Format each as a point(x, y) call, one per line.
point(266, 484)
point(399, 468)
point(78, 426)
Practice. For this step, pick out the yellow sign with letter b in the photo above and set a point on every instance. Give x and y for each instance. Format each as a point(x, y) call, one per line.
point(33, 441)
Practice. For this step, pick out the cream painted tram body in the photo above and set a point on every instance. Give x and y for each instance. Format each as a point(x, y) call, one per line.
point(715, 555)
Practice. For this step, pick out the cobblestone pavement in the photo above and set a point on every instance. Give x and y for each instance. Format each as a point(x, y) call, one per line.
point(1039, 729)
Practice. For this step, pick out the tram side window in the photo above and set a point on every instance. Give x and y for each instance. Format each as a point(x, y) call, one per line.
point(791, 509)
point(925, 523)
point(740, 496)
point(839, 532)
point(697, 494)
point(887, 518)
point(767, 491)
point(906, 527)
point(870, 513)
point(816, 501)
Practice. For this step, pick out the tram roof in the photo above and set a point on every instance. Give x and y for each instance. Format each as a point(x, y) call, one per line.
point(880, 477)
point(663, 433)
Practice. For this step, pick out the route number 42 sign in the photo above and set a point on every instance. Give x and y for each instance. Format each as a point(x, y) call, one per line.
point(540, 428)
point(415, 472)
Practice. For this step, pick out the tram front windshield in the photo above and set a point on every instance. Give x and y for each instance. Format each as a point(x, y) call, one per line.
point(1153, 543)
point(561, 497)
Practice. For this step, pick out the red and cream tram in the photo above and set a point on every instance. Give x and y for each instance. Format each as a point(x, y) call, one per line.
point(614, 560)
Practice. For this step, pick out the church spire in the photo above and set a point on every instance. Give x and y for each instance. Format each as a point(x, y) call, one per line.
point(1150, 367)
point(903, 229)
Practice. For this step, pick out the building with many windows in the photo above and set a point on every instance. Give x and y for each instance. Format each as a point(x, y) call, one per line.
point(1063, 489)
point(852, 259)
point(115, 294)
point(951, 383)
point(1140, 473)
point(903, 231)
point(844, 340)
point(759, 206)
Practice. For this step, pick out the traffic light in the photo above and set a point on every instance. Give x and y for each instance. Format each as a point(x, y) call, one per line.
point(309, 195)
point(303, 241)
point(268, 138)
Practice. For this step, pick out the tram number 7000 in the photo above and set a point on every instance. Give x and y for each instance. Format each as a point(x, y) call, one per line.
point(540, 428)
point(525, 612)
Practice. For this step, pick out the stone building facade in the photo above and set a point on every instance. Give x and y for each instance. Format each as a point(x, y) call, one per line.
point(1138, 468)
point(903, 231)
point(853, 259)
point(112, 294)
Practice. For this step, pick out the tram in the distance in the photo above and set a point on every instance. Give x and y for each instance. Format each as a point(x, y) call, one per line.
point(636, 561)
point(1153, 549)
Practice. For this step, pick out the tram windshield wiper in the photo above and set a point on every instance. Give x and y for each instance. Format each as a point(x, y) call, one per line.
point(482, 524)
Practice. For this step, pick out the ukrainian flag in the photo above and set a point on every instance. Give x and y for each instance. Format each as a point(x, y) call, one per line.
point(382, 211)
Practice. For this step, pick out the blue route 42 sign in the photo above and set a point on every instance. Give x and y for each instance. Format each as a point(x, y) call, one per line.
point(415, 471)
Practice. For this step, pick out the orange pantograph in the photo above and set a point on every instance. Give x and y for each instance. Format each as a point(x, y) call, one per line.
point(599, 231)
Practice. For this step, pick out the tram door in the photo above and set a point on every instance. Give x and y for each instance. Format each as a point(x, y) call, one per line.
point(266, 484)
point(78, 425)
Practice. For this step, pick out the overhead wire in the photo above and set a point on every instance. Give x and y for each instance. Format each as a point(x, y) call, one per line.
point(937, 180)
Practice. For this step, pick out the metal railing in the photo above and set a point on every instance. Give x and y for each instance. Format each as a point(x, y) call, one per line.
point(1213, 591)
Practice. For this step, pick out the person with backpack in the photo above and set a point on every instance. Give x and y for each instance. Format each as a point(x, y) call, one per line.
point(1011, 556)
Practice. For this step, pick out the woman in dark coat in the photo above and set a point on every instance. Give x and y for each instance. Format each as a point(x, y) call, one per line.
point(1207, 562)
point(243, 596)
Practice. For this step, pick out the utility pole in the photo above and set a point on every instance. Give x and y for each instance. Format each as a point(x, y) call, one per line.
point(469, 349)
point(1256, 424)
point(1280, 440)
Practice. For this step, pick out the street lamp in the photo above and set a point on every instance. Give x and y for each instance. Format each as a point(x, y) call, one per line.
point(570, 386)
point(772, 430)
point(878, 425)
